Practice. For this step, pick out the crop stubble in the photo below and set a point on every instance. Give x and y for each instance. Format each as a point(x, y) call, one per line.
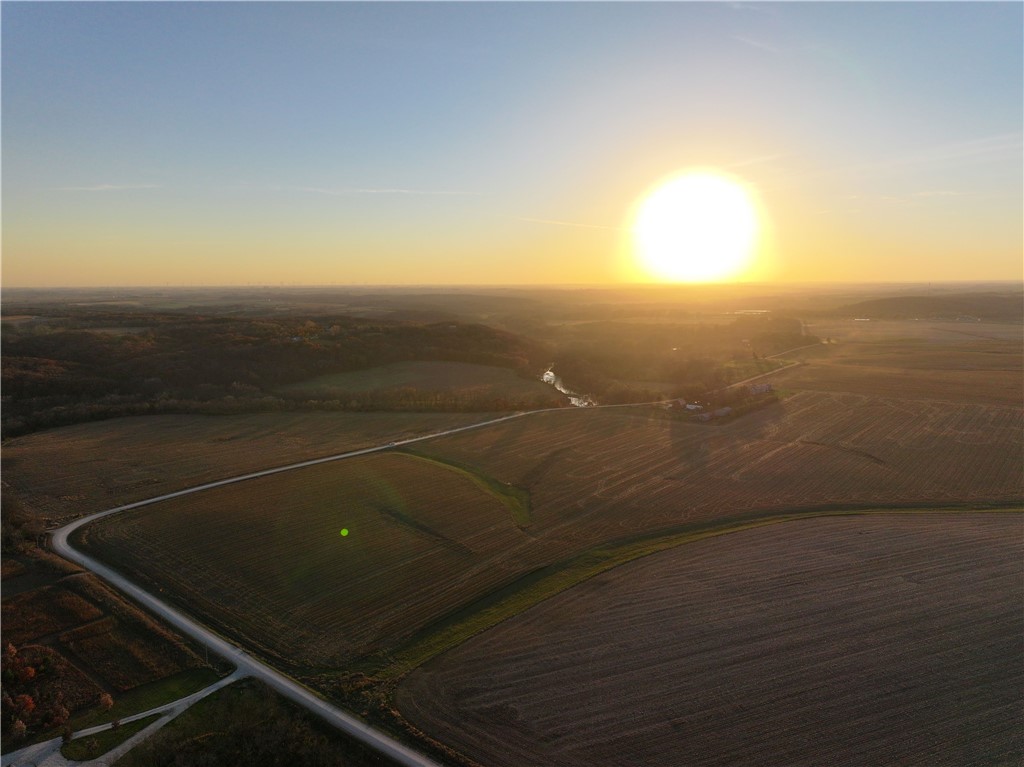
point(890, 639)
point(64, 473)
point(625, 471)
point(949, 365)
point(264, 559)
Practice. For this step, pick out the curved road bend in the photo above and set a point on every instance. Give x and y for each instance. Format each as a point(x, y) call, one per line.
point(246, 663)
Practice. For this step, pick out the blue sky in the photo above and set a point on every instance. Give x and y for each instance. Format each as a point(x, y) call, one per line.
point(220, 143)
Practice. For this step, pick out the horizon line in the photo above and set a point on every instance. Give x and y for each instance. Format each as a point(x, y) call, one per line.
point(532, 286)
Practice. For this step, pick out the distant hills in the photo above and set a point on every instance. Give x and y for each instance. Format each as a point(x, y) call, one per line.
point(995, 307)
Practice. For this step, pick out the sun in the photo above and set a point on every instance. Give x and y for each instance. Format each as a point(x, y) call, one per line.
point(698, 226)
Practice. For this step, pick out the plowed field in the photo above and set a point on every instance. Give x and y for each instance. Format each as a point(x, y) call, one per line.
point(611, 473)
point(64, 473)
point(952, 362)
point(866, 640)
point(264, 560)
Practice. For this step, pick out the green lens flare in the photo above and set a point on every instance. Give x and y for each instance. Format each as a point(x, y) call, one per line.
point(344, 532)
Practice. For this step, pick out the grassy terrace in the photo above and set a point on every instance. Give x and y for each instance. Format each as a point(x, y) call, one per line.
point(837, 639)
point(149, 696)
point(94, 746)
point(544, 583)
point(514, 498)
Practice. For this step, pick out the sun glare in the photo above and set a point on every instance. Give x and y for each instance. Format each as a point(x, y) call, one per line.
point(699, 226)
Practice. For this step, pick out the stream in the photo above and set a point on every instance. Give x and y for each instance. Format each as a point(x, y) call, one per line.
point(578, 400)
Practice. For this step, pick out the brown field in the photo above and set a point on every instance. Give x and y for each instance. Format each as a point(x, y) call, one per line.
point(124, 658)
point(275, 570)
point(881, 639)
point(610, 473)
point(961, 362)
point(33, 570)
point(11, 568)
point(95, 641)
point(893, 416)
point(849, 330)
point(984, 372)
point(64, 473)
point(62, 680)
point(35, 614)
point(426, 540)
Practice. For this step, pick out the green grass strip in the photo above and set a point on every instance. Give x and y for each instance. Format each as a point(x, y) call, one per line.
point(513, 498)
point(94, 746)
point(542, 584)
point(148, 696)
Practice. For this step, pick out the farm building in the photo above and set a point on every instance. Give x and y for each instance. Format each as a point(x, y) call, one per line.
point(761, 388)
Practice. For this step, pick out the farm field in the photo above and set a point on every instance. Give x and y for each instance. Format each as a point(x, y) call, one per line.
point(454, 378)
point(63, 473)
point(584, 470)
point(276, 571)
point(247, 723)
point(998, 387)
point(977, 362)
point(866, 639)
point(428, 537)
point(939, 331)
point(448, 537)
point(82, 641)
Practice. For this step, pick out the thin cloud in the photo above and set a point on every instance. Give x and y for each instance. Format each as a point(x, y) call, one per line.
point(106, 187)
point(556, 222)
point(760, 160)
point(1002, 146)
point(761, 46)
point(754, 7)
point(938, 193)
point(353, 191)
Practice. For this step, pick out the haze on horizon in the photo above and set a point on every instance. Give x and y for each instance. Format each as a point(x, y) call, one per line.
point(502, 143)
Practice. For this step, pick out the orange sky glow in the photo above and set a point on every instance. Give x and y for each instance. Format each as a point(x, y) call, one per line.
point(350, 143)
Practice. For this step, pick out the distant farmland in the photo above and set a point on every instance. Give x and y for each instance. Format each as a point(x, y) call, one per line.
point(882, 639)
point(64, 473)
point(962, 362)
point(612, 473)
point(264, 560)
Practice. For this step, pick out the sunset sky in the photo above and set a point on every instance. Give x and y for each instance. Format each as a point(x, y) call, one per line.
point(509, 143)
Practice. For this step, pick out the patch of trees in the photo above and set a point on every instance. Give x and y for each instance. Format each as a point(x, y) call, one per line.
point(617, 362)
point(33, 698)
point(57, 373)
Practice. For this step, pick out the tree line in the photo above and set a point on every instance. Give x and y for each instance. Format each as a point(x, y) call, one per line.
point(68, 371)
